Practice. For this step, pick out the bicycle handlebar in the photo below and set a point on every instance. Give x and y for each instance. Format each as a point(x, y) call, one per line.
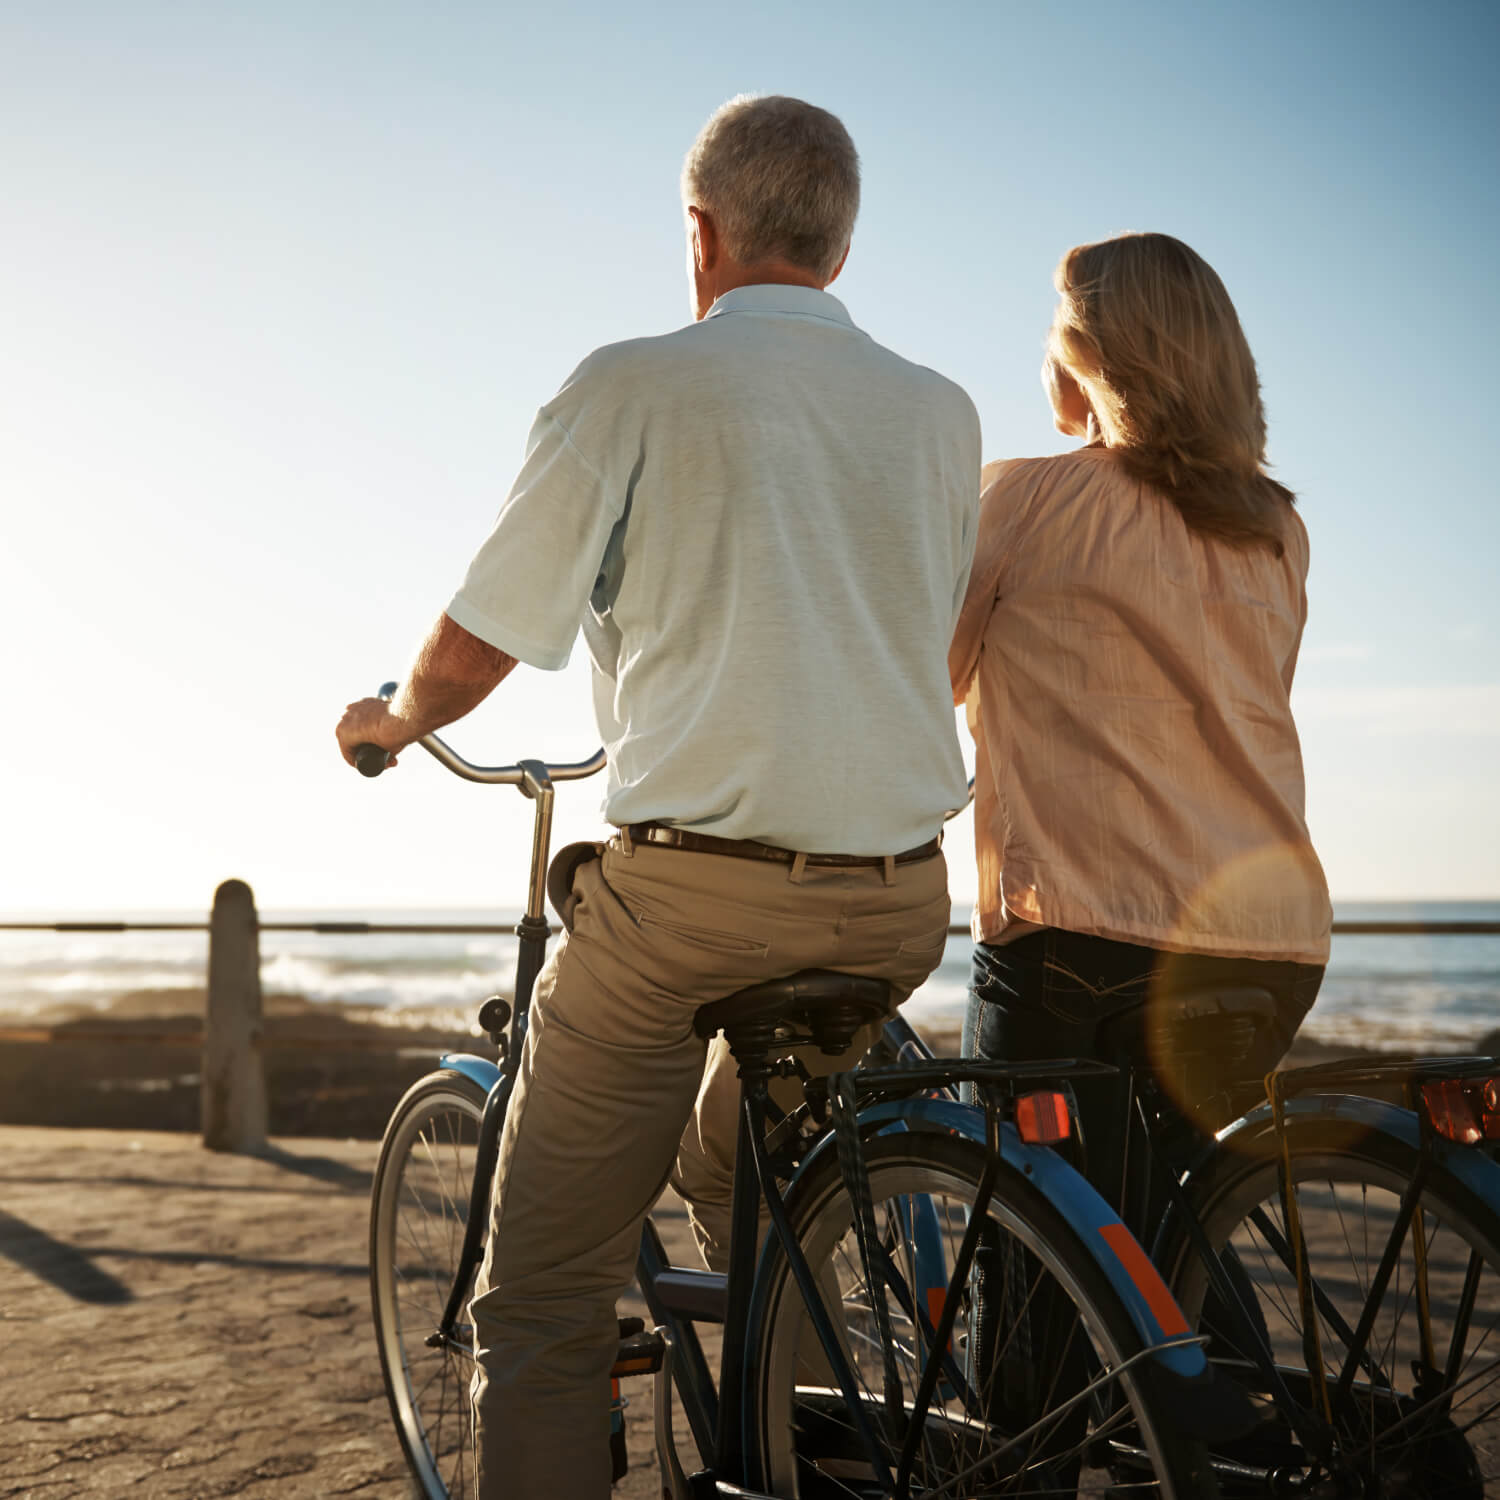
point(371, 760)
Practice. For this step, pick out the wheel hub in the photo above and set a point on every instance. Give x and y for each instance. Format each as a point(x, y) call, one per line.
point(1435, 1463)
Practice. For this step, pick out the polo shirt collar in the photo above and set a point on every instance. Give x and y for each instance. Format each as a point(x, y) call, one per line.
point(788, 301)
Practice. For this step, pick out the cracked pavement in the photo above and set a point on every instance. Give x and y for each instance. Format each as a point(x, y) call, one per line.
point(181, 1325)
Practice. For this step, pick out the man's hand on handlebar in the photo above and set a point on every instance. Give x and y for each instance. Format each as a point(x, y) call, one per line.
point(371, 722)
point(453, 673)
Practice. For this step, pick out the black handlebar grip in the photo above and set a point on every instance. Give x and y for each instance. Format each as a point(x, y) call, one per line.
point(370, 760)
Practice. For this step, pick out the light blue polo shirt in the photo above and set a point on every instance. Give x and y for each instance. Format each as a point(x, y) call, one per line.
point(763, 524)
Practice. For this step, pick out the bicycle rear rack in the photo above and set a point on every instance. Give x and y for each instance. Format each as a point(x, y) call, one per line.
point(1402, 1071)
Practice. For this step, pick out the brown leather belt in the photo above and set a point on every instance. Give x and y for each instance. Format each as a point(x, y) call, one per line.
point(707, 843)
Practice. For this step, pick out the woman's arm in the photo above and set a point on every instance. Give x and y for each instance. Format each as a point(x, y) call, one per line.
point(1295, 556)
point(992, 548)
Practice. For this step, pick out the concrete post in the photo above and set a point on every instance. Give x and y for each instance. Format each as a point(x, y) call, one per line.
point(234, 1084)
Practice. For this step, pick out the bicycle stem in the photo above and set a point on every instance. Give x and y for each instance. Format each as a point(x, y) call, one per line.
point(536, 784)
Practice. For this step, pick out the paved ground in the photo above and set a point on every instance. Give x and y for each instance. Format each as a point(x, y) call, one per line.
point(178, 1325)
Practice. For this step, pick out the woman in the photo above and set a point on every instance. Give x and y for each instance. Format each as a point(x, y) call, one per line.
point(1126, 650)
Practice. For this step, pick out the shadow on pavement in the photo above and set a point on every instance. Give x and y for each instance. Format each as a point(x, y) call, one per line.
point(324, 1168)
point(155, 1184)
point(217, 1258)
point(68, 1269)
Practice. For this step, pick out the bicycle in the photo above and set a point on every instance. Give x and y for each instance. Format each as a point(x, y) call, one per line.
point(1342, 1251)
point(826, 1388)
point(1369, 1235)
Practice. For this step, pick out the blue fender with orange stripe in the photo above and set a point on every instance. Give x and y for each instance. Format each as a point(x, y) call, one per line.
point(1152, 1308)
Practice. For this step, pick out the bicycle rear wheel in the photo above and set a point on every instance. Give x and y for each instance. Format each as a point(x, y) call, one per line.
point(1058, 1409)
point(418, 1211)
point(1419, 1418)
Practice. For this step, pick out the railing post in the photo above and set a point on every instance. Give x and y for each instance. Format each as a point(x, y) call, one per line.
point(234, 1085)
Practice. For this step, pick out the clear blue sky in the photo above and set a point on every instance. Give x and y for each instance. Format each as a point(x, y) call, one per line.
point(281, 286)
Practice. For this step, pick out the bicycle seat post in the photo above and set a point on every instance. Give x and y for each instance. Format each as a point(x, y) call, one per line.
point(751, 1047)
point(760, 1024)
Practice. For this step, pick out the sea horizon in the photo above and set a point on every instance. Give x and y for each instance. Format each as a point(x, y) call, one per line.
point(1386, 992)
point(1343, 909)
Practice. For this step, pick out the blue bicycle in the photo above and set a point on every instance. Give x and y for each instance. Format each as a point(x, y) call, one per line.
point(1337, 1238)
point(850, 1364)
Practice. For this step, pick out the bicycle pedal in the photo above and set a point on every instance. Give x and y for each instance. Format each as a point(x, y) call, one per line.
point(640, 1353)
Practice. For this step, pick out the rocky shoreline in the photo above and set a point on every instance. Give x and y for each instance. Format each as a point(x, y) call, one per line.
point(331, 1070)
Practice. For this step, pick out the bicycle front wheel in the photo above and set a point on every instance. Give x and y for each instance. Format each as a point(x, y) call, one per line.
point(419, 1208)
point(1411, 1373)
point(1054, 1404)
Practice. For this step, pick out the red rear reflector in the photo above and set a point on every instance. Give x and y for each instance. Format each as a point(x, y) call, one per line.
point(1464, 1110)
point(1490, 1108)
point(1042, 1119)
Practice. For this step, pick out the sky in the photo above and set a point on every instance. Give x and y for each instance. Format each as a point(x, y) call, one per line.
point(282, 286)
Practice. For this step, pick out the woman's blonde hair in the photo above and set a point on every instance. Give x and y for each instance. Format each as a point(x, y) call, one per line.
point(1149, 334)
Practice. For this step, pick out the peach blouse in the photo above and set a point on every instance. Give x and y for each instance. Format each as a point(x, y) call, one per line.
point(1139, 775)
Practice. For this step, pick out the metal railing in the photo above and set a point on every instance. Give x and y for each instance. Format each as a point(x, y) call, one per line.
point(508, 929)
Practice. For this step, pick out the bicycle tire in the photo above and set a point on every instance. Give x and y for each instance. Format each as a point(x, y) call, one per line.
point(1398, 1433)
point(803, 1434)
point(418, 1210)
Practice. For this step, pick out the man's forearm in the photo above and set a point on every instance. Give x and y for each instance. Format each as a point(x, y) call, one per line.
point(454, 672)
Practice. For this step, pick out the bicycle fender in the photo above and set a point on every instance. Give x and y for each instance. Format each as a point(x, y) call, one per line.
point(1153, 1310)
point(1255, 1132)
point(478, 1070)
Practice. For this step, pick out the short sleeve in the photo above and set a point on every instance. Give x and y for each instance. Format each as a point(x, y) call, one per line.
point(529, 584)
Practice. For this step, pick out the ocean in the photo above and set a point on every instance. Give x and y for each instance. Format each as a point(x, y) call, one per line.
point(1388, 993)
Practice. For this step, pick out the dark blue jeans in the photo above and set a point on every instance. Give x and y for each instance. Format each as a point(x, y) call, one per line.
point(1050, 993)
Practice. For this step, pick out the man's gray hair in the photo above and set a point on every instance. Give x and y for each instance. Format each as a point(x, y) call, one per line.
point(780, 179)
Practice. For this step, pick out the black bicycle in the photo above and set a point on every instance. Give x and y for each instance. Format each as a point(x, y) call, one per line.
point(849, 1361)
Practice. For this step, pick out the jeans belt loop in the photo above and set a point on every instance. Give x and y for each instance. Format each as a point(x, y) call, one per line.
point(799, 864)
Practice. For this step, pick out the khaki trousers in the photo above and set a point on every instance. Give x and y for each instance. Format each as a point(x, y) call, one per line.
point(610, 1077)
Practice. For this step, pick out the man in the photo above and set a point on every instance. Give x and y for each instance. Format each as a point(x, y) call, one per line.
point(763, 522)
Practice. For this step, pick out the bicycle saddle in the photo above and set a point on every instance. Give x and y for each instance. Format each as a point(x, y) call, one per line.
point(829, 1007)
